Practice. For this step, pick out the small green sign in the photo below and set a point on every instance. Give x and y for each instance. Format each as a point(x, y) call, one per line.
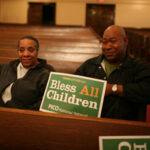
point(124, 142)
point(73, 94)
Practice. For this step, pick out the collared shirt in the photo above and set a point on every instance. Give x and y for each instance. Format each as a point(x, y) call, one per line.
point(21, 71)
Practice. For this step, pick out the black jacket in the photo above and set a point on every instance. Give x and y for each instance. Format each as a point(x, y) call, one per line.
point(26, 92)
point(133, 74)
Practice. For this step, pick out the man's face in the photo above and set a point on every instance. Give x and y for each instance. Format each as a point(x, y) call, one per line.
point(114, 45)
point(27, 51)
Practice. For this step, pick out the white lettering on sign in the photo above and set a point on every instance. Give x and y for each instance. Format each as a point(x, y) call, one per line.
point(124, 144)
point(53, 107)
point(65, 98)
point(128, 145)
point(140, 147)
point(63, 87)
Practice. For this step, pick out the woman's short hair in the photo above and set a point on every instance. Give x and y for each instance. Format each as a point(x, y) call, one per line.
point(31, 38)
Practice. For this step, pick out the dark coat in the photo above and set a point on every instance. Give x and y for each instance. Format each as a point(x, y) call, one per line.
point(26, 92)
point(133, 74)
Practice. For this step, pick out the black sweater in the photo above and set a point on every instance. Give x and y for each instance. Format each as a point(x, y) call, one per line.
point(26, 92)
point(133, 74)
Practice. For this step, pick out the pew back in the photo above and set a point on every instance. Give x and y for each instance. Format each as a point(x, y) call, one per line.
point(24, 129)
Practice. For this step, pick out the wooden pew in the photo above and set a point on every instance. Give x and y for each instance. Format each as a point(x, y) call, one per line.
point(66, 62)
point(24, 129)
point(148, 113)
point(65, 48)
point(139, 43)
point(139, 47)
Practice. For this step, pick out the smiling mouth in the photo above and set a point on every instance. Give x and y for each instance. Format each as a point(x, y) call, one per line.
point(109, 54)
point(26, 60)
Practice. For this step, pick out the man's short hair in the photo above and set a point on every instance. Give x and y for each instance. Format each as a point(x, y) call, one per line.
point(31, 38)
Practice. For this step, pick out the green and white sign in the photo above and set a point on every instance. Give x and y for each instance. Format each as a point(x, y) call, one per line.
point(73, 94)
point(124, 142)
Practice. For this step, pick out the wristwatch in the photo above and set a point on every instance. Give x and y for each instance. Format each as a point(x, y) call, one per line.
point(114, 88)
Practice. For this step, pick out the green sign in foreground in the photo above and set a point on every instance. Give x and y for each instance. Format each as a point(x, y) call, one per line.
point(124, 142)
point(72, 94)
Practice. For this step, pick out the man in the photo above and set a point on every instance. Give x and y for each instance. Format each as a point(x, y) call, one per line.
point(128, 80)
point(23, 81)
